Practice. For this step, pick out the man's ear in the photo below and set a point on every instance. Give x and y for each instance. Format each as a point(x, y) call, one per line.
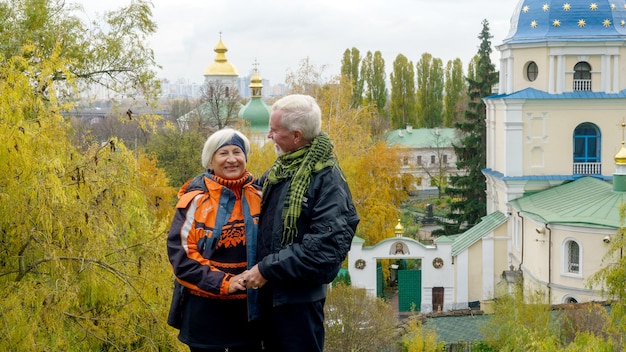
point(297, 136)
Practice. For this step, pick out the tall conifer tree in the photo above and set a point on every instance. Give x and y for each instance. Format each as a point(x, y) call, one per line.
point(468, 188)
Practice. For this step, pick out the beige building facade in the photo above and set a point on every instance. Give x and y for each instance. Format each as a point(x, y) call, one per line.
point(553, 131)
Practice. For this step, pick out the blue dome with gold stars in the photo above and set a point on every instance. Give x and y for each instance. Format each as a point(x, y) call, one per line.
point(574, 20)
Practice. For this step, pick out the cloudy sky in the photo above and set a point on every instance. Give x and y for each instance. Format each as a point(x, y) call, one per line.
point(279, 34)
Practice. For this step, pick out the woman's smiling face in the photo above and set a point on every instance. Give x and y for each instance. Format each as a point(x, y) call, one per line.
point(229, 162)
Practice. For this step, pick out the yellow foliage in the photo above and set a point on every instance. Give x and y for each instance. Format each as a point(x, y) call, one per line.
point(83, 263)
point(261, 158)
point(420, 339)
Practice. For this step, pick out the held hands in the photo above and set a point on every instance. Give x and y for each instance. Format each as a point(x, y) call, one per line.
point(248, 279)
point(237, 283)
point(254, 279)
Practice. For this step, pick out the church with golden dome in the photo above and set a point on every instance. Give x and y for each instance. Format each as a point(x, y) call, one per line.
point(222, 74)
point(221, 69)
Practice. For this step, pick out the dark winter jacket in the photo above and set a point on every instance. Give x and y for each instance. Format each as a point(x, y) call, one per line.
point(299, 272)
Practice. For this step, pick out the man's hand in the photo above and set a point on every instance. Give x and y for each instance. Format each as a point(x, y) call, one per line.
point(253, 278)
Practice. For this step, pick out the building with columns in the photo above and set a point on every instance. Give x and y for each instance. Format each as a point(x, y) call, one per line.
point(555, 169)
point(553, 136)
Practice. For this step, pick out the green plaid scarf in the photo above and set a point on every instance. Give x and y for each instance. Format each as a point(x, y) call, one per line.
point(299, 165)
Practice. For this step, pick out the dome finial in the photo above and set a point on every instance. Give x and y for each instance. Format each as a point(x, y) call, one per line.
point(620, 157)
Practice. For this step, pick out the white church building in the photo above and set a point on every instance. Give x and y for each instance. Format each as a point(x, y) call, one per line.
point(555, 168)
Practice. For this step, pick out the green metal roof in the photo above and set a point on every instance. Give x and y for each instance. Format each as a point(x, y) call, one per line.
point(455, 329)
point(585, 202)
point(471, 236)
point(358, 239)
point(423, 137)
point(444, 239)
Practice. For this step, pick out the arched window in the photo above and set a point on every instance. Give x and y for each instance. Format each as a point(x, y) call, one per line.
point(573, 257)
point(587, 142)
point(570, 300)
point(582, 76)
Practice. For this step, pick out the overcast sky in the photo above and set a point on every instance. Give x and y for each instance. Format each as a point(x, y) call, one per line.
point(279, 34)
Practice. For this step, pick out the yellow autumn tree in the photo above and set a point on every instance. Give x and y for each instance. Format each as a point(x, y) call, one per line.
point(83, 264)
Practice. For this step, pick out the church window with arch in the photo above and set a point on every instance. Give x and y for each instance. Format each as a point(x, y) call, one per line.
point(572, 256)
point(587, 142)
point(582, 76)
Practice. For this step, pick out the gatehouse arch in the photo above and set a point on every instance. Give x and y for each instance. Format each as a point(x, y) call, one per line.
point(431, 287)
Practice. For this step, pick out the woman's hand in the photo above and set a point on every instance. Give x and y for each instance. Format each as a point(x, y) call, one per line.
point(237, 283)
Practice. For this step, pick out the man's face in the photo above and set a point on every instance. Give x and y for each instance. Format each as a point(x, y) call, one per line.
point(284, 140)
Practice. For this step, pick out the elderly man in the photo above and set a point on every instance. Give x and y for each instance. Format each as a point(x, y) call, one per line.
point(306, 227)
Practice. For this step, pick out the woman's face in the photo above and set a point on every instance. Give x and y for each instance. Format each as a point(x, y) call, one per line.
point(229, 162)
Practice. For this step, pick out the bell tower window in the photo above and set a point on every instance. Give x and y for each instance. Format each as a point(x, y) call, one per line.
point(587, 142)
point(582, 76)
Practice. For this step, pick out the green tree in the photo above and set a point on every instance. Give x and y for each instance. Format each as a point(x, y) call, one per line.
point(367, 73)
point(403, 99)
point(376, 86)
point(471, 68)
point(468, 189)
point(521, 323)
point(455, 89)
point(180, 107)
point(373, 72)
point(350, 71)
point(612, 277)
point(178, 153)
point(430, 83)
point(524, 321)
point(110, 51)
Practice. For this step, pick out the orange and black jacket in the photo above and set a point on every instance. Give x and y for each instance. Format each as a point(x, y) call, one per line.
point(213, 234)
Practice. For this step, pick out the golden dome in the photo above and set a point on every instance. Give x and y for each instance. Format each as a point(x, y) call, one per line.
point(256, 81)
point(221, 66)
point(399, 230)
point(620, 157)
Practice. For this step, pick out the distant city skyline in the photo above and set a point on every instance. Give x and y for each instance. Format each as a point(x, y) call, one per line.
point(183, 89)
point(279, 34)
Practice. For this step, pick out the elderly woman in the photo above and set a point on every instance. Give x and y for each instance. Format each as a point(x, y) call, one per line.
point(211, 242)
